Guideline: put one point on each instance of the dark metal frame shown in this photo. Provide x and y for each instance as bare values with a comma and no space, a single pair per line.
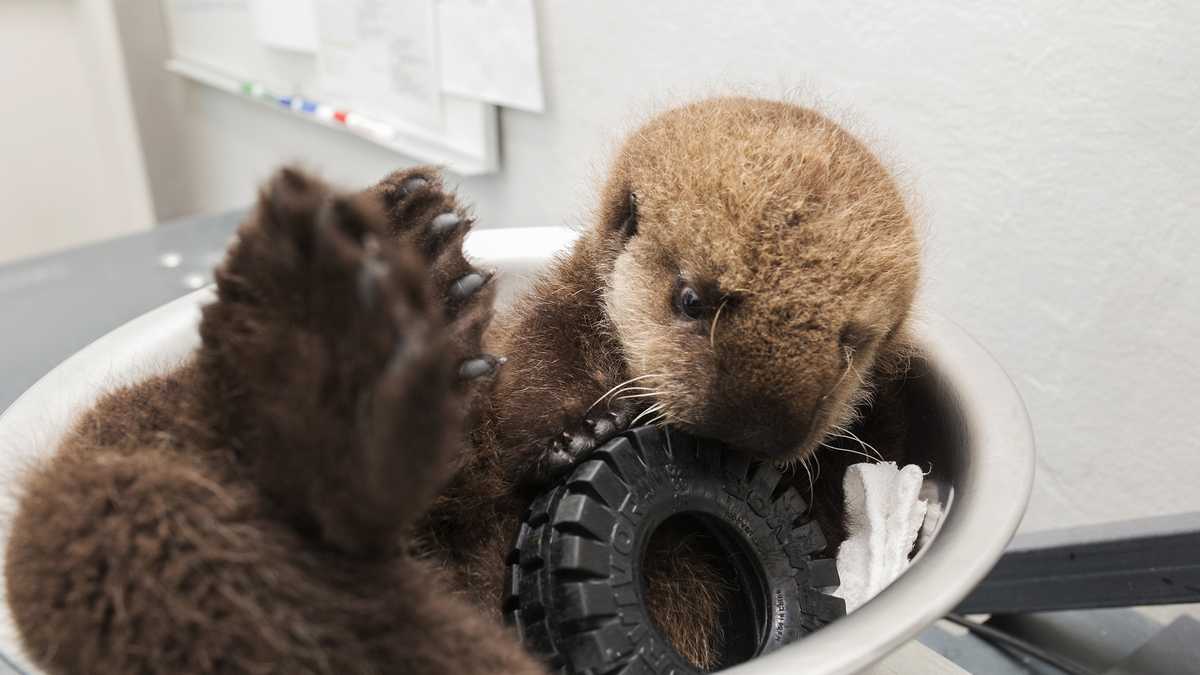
1152,561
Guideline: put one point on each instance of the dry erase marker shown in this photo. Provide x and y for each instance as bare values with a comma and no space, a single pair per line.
323,113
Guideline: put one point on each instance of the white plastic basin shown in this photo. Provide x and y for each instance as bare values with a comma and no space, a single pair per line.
971,430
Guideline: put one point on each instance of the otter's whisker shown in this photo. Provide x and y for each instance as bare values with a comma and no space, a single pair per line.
628,387
648,411
648,394
850,436
811,488
620,393
849,352
610,392
676,420
622,390
852,452
712,332
850,367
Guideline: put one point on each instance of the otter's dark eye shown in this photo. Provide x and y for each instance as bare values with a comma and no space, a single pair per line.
689,303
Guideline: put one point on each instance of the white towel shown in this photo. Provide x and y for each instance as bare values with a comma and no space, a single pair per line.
884,513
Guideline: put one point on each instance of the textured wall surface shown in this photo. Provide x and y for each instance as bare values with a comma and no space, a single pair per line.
1055,151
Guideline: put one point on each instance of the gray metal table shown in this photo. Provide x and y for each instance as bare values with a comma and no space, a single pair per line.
52,306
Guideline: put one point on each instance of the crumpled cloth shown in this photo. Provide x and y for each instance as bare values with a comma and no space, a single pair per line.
884,514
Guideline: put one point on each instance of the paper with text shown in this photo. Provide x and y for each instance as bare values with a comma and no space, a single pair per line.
490,52
286,24
381,58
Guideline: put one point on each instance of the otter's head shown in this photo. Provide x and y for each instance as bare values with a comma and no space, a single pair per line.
763,266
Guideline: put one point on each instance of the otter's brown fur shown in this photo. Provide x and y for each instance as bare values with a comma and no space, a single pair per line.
251,512
766,205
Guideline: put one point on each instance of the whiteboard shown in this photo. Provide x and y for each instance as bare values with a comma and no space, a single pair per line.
214,42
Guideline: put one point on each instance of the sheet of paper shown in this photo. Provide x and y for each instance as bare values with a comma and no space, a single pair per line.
490,52
286,24
380,58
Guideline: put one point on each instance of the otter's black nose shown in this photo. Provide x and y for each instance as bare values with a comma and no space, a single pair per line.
765,429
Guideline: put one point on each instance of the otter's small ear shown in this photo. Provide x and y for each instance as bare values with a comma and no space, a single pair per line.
627,222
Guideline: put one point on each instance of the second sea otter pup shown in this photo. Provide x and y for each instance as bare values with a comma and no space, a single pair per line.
747,277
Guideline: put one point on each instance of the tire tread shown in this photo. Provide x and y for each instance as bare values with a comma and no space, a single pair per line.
558,591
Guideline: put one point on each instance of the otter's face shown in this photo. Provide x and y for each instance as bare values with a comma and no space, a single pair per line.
754,297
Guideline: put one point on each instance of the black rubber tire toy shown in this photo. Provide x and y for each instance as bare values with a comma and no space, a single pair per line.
573,588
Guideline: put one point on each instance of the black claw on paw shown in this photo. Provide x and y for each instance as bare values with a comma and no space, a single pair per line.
445,224
555,461
555,458
481,366
580,440
467,285
578,443
604,426
412,185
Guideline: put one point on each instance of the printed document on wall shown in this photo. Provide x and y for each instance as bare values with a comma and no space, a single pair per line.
285,24
381,57
490,52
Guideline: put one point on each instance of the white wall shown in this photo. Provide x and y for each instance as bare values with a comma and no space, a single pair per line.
70,167
1054,149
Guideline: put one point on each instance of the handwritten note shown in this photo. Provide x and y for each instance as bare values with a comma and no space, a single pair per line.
381,57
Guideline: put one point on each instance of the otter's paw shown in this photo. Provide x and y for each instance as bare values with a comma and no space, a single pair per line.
422,215
343,375
325,264
556,455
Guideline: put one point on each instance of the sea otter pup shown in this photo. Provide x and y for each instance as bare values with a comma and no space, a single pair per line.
277,503
747,277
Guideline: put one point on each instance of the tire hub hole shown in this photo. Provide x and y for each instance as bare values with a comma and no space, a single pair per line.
704,591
